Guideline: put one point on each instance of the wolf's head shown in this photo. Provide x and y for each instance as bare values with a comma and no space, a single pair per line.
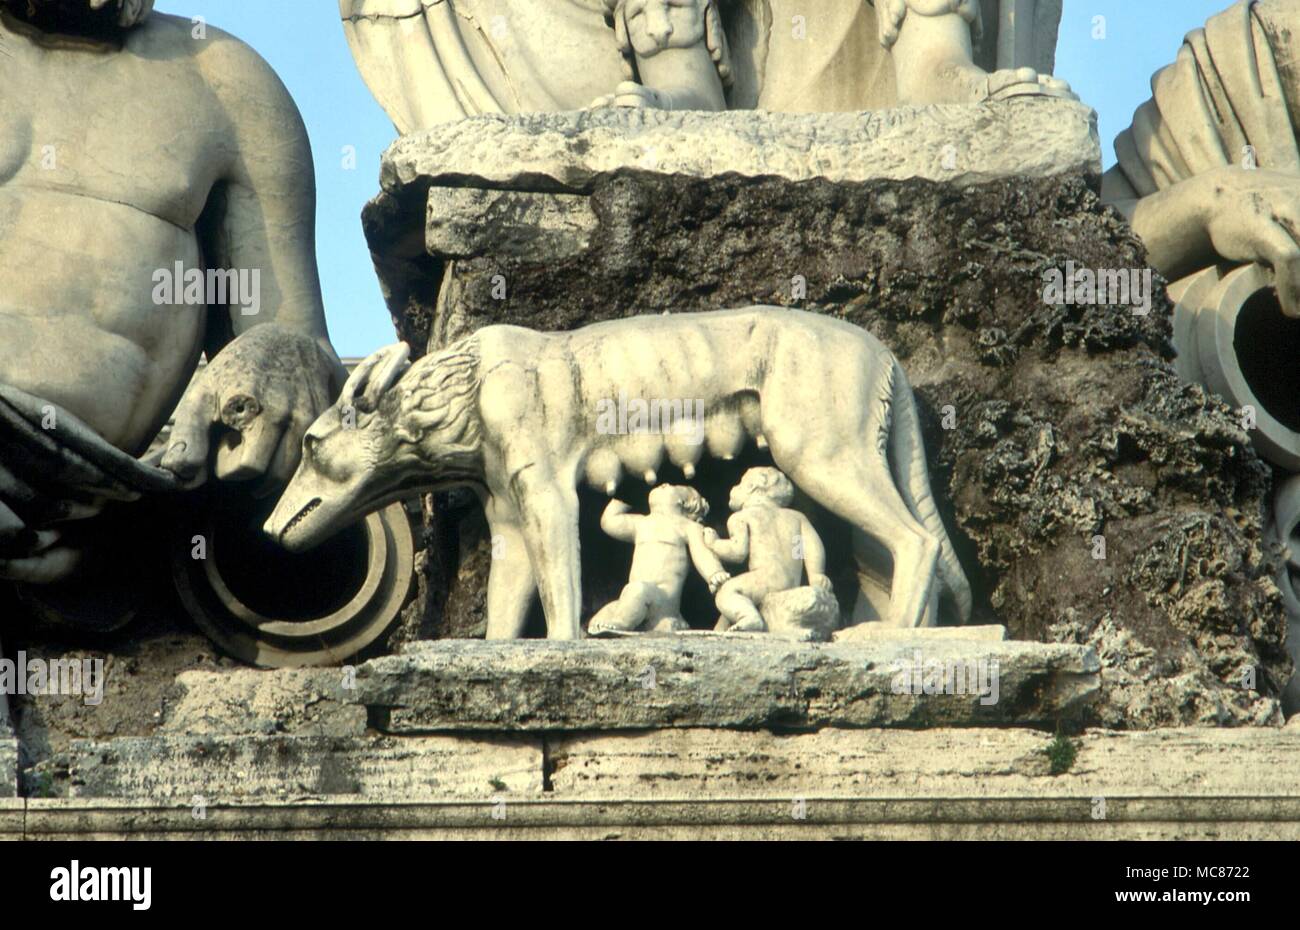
396,430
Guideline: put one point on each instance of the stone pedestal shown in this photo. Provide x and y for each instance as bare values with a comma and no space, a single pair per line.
1093,497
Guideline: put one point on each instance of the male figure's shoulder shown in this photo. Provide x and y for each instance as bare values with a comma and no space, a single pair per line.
230,67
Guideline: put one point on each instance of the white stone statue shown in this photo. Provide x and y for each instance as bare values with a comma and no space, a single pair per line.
1209,171
778,544
517,415
668,541
430,63
136,159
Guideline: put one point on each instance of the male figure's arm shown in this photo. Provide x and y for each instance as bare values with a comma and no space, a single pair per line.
260,223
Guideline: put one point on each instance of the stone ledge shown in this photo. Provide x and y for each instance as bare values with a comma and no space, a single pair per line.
570,152
1173,766
179,767
8,768
712,681
941,784
1136,818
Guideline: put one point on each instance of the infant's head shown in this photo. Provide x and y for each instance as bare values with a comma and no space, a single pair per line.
766,485
678,499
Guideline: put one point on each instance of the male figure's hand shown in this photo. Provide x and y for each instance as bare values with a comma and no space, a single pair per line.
259,396
1232,213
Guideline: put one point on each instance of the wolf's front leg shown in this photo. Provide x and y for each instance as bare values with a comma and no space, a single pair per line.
511,586
548,510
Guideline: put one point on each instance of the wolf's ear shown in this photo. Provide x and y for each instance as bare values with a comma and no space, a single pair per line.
374,376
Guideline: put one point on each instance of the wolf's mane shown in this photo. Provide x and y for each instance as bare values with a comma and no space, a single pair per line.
439,394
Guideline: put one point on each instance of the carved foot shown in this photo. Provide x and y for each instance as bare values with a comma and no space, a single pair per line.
634,96
965,82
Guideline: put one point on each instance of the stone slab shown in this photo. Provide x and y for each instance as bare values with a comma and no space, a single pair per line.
716,681
291,702
178,768
944,784
571,151
916,765
8,768
531,227
12,814
879,633
962,784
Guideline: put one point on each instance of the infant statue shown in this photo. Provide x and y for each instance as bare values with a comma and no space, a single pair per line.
652,599
779,544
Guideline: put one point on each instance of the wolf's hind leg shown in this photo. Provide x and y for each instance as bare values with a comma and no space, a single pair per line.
511,587
867,498
548,510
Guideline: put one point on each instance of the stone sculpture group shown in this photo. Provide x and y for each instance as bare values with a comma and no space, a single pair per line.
511,412
90,374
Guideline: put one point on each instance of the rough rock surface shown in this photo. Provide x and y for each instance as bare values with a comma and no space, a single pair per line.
294,702
708,680
1046,425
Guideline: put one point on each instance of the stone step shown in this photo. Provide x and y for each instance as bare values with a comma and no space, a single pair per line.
1024,137
182,768
723,681
882,784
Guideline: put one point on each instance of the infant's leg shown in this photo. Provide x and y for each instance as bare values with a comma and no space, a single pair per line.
664,614
625,614
737,601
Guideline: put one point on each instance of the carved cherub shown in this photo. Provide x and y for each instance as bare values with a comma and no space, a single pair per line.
676,54
652,598
780,543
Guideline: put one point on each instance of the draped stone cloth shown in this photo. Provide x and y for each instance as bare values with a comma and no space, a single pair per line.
1228,89
50,461
432,61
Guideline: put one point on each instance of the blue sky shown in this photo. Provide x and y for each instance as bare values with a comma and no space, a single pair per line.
303,41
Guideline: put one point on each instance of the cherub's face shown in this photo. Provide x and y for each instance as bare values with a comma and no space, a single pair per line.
654,25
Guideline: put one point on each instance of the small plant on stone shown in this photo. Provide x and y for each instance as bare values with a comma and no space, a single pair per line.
1061,753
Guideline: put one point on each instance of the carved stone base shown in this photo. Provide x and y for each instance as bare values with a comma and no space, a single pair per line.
723,680
714,784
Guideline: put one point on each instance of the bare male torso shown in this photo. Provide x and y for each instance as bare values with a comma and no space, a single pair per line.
109,161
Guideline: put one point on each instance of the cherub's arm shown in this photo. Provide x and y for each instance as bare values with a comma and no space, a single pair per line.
618,523
814,554
706,561
735,549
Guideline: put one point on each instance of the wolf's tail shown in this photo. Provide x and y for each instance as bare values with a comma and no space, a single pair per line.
908,465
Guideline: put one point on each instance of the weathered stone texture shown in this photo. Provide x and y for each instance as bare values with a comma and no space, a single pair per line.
745,681
179,768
